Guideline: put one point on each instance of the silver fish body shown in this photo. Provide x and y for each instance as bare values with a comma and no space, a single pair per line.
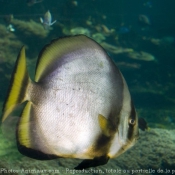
79,105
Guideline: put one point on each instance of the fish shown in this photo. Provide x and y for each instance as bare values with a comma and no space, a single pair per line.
143,124
78,105
143,19
47,21
144,22
32,2
10,28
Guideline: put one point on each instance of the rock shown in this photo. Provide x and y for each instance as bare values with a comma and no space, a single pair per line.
154,152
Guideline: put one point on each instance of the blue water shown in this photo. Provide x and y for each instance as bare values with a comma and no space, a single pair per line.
151,82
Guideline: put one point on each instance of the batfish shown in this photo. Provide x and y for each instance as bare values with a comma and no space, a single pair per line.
77,106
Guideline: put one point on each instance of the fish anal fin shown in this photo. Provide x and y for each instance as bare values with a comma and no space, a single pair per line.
25,140
23,132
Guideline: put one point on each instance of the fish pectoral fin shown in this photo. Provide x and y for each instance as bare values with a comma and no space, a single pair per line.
41,20
104,125
97,161
53,22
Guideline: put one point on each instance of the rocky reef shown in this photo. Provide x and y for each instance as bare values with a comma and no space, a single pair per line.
154,153
30,28
9,45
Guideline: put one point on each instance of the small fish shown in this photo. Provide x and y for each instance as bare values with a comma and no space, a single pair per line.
143,124
78,105
47,21
32,2
10,28
144,21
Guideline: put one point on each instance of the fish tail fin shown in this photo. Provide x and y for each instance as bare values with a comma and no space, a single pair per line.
20,81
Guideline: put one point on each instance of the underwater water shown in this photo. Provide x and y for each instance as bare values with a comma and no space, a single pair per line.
139,36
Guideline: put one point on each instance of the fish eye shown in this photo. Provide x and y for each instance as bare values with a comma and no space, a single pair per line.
132,121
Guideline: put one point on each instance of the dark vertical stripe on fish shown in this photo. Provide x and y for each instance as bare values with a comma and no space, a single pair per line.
131,126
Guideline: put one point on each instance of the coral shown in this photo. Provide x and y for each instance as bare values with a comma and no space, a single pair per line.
9,45
76,31
98,37
145,56
115,49
30,28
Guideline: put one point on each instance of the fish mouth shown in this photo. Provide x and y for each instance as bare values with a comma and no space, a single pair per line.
126,144
136,135
134,140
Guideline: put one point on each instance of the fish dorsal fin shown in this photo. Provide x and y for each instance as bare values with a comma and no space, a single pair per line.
23,133
19,85
104,125
58,49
